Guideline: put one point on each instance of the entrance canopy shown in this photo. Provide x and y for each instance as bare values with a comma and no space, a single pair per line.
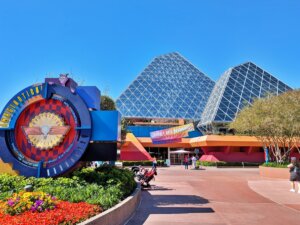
180,151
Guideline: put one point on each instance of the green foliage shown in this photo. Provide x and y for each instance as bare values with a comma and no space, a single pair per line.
124,123
108,175
206,163
275,164
107,103
142,163
229,164
275,121
105,185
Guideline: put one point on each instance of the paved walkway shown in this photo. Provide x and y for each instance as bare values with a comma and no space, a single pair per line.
216,197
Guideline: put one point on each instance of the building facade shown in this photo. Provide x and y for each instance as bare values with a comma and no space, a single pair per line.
171,92
169,87
237,87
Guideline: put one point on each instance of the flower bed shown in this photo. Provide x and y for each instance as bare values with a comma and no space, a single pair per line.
85,193
28,201
63,213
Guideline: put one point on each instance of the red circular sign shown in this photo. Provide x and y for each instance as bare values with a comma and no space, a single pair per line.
45,107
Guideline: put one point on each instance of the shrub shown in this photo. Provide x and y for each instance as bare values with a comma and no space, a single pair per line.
229,164
206,163
142,163
275,164
104,186
198,164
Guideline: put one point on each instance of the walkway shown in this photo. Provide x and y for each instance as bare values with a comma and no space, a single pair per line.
217,197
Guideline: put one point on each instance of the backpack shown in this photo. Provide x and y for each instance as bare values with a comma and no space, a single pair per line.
296,170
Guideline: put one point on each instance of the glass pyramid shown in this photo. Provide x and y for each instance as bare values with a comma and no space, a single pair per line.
170,87
236,87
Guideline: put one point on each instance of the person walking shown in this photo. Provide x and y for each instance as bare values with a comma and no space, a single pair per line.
194,160
186,162
294,167
154,162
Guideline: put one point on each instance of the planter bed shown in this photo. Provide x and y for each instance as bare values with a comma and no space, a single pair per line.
64,200
120,213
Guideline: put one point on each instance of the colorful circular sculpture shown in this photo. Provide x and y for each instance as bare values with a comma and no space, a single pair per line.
44,130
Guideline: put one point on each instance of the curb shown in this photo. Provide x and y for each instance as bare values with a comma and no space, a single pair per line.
118,214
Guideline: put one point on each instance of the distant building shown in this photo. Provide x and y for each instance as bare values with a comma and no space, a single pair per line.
170,87
237,87
172,92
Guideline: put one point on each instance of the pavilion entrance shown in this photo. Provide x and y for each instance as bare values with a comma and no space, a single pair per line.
177,156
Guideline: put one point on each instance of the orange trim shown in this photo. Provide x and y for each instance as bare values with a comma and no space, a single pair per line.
208,140
216,140
147,142
133,149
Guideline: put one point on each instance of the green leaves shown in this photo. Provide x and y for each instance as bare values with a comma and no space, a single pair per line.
275,120
105,186
273,164
107,103
142,163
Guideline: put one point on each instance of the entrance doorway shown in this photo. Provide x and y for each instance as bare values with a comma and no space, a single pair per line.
177,156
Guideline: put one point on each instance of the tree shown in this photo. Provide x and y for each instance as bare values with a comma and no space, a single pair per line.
275,121
124,123
107,103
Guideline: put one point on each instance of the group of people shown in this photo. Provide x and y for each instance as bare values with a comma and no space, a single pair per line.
187,160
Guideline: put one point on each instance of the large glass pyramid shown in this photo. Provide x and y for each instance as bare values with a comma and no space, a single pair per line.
170,87
236,87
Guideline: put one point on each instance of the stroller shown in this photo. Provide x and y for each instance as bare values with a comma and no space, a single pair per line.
144,175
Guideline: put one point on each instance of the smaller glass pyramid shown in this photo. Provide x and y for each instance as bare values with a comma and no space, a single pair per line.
237,87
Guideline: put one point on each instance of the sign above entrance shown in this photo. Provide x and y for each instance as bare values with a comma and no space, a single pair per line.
171,135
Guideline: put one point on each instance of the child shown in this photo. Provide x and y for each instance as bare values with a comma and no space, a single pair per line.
154,162
294,174
186,162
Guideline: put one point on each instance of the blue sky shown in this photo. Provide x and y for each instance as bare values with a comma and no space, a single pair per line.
108,43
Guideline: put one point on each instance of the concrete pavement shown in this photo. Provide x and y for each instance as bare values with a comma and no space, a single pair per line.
216,197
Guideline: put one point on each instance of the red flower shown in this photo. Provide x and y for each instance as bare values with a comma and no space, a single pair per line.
65,212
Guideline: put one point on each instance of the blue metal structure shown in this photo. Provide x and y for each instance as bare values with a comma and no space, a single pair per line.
91,96
92,134
107,121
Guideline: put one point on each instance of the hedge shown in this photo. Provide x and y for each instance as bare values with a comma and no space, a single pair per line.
229,164
142,163
275,164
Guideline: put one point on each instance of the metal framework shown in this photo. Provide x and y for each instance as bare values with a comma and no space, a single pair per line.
170,87
237,87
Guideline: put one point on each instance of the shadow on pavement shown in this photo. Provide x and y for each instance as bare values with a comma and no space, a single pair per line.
157,188
162,200
168,204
